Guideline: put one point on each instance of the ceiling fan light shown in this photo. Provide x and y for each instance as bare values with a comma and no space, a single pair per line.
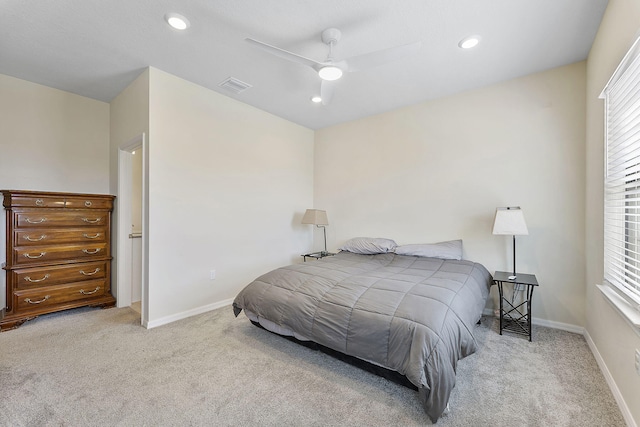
178,22
469,42
330,73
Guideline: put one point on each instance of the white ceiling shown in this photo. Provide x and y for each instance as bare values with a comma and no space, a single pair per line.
95,48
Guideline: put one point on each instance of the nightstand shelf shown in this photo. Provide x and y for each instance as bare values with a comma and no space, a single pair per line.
516,318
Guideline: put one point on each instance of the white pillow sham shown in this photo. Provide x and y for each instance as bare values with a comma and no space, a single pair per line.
368,245
451,249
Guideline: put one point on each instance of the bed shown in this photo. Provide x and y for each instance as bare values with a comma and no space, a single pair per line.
413,315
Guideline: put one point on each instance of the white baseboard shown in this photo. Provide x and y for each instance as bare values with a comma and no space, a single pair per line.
188,313
558,325
626,413
543,322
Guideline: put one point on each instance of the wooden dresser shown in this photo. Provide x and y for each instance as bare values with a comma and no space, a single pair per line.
58,253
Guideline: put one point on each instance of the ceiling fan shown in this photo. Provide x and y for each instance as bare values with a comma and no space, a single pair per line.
330,69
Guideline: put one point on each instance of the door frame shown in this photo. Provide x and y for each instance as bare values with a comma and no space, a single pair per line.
123,253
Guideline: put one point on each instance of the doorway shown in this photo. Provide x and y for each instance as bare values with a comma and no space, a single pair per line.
132,219
135,237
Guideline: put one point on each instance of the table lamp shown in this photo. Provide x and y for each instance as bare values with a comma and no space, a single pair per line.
510,220
318,218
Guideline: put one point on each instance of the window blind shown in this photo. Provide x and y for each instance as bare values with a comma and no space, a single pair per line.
622,177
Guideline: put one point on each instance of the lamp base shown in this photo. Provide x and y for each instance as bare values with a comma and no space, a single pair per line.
512,277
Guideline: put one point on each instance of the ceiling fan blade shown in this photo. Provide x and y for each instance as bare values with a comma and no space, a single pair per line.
373,59
284,54
326,91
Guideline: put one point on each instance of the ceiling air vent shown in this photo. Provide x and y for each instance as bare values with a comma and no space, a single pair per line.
234,85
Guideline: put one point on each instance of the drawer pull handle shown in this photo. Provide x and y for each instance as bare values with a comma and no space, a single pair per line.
31,239
85,235
89,274
29,279
91,221
40,221
88,203
28,300
83,292
39,202
35,256
91,252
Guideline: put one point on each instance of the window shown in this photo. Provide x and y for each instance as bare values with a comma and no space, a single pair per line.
622,177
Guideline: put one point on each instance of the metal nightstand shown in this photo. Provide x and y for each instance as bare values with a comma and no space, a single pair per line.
316,255
512,318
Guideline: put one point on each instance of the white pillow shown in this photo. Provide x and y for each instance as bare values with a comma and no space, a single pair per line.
368,245
445,250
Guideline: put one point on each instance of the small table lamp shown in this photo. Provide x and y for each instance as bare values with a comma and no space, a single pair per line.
510,221
319,219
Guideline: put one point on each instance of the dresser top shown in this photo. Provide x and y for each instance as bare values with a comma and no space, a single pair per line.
49,199
34,193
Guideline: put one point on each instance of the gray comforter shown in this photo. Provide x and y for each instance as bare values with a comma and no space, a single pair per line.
409,314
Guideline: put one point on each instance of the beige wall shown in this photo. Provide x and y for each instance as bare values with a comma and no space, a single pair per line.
228,185
613,337
438,170
50,141
129,119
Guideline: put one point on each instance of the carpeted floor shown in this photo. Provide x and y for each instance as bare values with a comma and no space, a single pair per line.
91,367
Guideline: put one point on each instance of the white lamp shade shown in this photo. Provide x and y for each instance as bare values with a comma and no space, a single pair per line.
510,221
315,217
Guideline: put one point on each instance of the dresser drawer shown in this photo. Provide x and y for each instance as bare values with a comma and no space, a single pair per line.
46,218
45,298
88,203
58,253
41,236
70,253
37,277
35,201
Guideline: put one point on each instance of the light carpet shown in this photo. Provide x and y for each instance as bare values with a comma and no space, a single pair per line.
91,367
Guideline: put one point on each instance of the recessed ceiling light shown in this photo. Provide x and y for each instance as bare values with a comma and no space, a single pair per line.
330,73
178,22
469,42
316,99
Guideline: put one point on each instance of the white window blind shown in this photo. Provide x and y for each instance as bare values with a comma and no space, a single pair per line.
622,177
